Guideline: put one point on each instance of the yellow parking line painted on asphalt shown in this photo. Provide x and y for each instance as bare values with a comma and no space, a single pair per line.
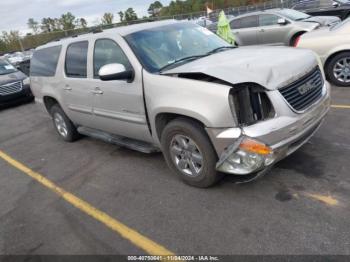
329,200
134,237
340,106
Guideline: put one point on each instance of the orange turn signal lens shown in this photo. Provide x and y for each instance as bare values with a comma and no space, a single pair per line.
254,146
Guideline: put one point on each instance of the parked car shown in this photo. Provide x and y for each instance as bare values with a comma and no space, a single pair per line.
14,85
202,21
15,58
214,25
333,46
178,88
275,26
339,8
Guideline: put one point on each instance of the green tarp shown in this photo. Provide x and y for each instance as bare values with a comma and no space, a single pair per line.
224,29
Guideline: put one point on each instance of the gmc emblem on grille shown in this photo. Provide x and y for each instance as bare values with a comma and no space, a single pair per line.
306,88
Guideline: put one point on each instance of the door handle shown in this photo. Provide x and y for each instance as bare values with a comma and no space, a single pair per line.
67,87
97,91
236,33
262,30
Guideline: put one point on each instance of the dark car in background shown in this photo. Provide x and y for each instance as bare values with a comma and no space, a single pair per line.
339,8
14,85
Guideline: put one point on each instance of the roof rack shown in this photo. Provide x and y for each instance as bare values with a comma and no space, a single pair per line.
96,30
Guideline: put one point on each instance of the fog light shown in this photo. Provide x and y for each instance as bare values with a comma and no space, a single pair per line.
249,156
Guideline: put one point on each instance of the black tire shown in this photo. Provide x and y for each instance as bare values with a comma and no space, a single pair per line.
208,175
330,66
72,133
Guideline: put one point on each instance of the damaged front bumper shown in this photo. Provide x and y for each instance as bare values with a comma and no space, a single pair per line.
268,141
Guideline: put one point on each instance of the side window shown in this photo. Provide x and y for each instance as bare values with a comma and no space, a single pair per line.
249,21
235,24
44,61
76,59
108,52
266,20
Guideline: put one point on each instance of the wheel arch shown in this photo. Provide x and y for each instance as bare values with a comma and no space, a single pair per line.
49,102
330,57
164,118
295,35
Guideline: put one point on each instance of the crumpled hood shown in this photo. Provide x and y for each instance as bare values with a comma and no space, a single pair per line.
323,20
13,77
270,67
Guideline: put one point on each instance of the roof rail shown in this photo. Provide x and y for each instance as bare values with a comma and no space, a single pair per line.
96,30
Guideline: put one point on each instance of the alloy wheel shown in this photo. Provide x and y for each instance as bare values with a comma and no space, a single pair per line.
186,155
341,70
60,125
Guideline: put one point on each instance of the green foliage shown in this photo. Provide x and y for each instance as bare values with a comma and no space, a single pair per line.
155,8
121,16
67,21
83,23
9,41
34,25
130,15
127,16
107,19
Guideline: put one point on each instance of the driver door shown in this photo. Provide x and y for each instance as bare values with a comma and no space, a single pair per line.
118,104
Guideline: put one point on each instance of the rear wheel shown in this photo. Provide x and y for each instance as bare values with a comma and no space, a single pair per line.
338,69
64,127
189,153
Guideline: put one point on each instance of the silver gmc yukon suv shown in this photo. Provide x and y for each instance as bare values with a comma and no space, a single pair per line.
176,87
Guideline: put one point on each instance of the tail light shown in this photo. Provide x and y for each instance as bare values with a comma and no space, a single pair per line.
296,42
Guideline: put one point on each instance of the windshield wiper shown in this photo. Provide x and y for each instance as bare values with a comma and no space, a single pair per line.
219,49
193,57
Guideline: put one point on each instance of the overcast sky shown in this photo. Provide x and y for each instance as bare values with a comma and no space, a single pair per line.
14,14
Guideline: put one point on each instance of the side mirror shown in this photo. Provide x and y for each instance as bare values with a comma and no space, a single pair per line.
335,4
282,21
115,72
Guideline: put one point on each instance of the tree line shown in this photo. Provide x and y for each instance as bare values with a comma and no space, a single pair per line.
49,29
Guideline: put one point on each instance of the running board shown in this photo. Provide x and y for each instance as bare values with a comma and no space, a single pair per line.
136,145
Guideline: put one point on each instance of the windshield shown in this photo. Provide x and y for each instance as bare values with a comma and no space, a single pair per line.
6,68
293,14
342,1
159,47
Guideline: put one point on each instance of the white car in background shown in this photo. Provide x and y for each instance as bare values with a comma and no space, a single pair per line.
332,44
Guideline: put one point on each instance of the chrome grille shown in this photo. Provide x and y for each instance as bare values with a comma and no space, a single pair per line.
11,88
304,92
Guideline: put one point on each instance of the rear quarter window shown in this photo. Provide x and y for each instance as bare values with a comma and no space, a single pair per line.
44,61
235,24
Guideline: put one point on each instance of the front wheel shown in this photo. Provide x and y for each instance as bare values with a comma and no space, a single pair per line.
189,153
338,69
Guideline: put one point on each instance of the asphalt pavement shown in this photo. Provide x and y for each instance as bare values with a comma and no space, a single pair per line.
300,207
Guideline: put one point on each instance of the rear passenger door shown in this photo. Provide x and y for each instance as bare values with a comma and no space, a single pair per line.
245,30
76,94
270,32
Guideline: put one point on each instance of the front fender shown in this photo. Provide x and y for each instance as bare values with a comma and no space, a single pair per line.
336,49
206,102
